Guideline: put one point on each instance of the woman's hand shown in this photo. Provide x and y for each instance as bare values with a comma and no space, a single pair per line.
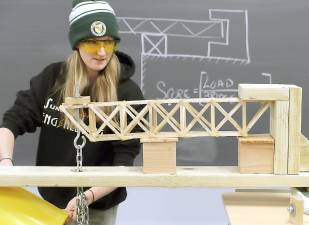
71,207
71,210
91,196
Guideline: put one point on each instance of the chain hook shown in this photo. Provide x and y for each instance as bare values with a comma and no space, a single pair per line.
82,145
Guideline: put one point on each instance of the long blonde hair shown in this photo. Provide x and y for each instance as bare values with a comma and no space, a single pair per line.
104,89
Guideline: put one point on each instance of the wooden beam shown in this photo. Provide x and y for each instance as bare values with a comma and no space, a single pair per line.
280,133
263,92
294,129
134,177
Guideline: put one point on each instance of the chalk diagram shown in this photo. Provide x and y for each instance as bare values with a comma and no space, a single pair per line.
212,41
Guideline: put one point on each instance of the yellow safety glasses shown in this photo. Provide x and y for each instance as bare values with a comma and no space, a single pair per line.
93,46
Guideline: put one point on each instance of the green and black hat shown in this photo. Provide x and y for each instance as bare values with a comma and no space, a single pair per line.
90,19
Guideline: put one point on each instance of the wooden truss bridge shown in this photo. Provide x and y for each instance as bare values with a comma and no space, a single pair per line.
184,118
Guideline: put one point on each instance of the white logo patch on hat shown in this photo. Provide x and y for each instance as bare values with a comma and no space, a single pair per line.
98,28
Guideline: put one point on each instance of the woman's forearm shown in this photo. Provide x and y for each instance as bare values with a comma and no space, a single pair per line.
96,193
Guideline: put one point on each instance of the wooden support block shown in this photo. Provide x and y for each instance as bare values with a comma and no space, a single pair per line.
263,92
297,209
294,129
77,100
256,154
279,123
159,155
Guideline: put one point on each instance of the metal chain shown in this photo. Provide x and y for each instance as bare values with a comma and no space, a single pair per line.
82,209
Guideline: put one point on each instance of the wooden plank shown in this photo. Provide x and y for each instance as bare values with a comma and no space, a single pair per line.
83,100
153,118
163,140
244,118
257,138
134,177
213,118
183,118
167,101
280,133
263,92
123,118
294,129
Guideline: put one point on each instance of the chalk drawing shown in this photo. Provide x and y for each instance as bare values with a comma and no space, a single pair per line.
157,33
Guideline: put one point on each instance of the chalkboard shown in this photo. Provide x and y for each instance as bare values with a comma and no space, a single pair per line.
182,49
202,49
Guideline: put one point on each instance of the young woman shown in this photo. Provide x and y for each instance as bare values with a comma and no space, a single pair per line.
102,73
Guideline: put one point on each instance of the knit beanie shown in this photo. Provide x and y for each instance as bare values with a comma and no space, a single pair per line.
90,19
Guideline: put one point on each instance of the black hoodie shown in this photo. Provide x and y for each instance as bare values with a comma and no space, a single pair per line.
35,107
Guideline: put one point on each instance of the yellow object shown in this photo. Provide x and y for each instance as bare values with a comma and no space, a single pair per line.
21,207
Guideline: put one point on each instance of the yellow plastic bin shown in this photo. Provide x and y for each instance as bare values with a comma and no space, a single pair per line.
20,207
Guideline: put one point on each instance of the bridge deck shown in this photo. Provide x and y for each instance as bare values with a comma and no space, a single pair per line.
206,176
